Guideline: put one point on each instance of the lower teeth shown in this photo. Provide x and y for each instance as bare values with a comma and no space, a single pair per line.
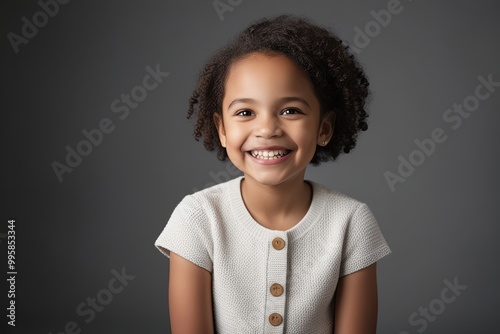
269,157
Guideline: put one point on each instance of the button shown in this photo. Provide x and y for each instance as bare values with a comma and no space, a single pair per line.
275,319
278,243
276,290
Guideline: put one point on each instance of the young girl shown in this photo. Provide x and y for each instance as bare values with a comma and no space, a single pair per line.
270,252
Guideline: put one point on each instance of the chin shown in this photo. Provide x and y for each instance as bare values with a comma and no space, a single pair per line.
269,178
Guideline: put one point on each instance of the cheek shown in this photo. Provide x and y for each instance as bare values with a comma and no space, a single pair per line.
235,137
307,135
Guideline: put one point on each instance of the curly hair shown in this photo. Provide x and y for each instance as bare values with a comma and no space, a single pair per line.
338,80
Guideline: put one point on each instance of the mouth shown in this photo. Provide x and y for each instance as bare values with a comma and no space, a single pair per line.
269,154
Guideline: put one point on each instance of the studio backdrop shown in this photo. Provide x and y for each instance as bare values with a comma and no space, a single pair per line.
97,152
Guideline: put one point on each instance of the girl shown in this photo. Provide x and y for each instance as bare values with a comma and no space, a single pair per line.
270,252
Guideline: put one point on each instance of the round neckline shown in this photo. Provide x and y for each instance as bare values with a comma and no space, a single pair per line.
244,218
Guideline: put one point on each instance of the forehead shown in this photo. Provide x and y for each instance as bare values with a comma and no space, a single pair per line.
265,75
262,58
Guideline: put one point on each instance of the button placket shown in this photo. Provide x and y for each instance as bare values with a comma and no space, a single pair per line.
276,280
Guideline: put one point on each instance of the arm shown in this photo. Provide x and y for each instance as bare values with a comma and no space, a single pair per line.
190,297
356,302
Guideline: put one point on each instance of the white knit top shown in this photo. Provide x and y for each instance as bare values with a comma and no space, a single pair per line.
269,281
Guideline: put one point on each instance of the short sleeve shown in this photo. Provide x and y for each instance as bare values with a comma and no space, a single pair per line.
364,243
188,234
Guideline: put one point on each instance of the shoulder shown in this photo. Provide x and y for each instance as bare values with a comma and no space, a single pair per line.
217,191
195,223
213,196
334,201
353,227
211,202
344,217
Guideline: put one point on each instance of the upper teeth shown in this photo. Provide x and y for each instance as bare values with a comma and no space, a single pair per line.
268,154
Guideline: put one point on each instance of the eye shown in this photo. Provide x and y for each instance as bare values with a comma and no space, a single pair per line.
244,113
291,111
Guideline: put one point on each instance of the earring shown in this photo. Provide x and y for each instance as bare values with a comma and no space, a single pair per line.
324,142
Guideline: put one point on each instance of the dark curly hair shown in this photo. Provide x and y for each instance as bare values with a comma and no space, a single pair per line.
338,79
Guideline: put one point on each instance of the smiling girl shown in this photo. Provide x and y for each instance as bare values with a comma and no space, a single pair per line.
270,252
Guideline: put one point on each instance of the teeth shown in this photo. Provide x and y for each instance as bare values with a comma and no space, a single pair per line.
268,154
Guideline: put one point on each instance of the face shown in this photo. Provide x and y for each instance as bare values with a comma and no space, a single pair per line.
270,124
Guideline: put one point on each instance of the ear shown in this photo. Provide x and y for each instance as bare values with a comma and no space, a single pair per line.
326,129
220,128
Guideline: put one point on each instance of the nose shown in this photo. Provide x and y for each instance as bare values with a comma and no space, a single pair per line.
268,126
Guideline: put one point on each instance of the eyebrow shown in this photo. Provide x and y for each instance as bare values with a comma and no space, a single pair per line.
283,99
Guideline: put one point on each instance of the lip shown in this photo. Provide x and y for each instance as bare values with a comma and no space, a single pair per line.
269,148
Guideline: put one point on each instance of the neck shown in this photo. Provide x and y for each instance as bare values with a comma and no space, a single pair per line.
278,207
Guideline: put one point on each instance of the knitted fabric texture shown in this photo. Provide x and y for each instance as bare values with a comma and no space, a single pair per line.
213,229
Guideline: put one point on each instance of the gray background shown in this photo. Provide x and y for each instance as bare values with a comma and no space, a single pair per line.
106,214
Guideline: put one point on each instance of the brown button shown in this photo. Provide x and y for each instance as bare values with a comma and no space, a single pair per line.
275,319
276,290
278,243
